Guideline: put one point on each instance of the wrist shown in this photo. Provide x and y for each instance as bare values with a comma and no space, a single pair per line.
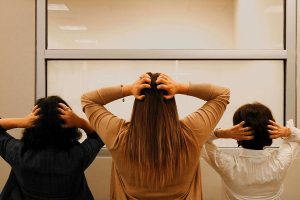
182,88
288,132
85,125
126,90
217,132
21,123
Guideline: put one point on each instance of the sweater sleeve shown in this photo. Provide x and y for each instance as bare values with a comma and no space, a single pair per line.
91,146
9,147
203,120
106,124
290,148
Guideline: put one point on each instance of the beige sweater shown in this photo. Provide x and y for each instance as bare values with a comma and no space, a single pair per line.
198,126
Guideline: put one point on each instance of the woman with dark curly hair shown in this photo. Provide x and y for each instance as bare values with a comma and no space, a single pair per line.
48,162
255,172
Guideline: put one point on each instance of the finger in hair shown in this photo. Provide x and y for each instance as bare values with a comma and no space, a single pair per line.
140,97
60,110
248,137
161,81
273,132
248,128
147,80
241,123
271,127
168,97
35,108
143,86
36,111
273,123
162,87
62,105
248,133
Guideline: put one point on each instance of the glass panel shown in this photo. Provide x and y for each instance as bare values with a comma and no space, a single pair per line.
249,81
165,24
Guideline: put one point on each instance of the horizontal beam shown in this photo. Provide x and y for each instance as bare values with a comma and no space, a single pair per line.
165,54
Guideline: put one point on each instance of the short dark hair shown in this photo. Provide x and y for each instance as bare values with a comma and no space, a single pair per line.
48,130
256,116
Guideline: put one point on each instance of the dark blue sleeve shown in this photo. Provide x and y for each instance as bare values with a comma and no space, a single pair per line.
9,147
91,146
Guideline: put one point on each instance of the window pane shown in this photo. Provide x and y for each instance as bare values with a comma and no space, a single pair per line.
249,81
165,24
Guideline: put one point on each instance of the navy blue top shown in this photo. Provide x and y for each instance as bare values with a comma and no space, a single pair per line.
49,173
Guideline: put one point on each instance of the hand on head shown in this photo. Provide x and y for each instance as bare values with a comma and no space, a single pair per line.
70,118
29,120
277,131
143,82
164,82
237,132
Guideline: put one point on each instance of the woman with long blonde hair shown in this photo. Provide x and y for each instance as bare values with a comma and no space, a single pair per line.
155,155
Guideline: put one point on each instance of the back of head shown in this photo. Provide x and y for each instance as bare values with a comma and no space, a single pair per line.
48,130
256,116
154,141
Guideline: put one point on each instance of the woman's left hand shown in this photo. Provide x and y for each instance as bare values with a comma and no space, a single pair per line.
277,131
70,118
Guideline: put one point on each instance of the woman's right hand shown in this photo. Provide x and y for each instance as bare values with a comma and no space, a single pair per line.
135,89
237,132
29,120
25,122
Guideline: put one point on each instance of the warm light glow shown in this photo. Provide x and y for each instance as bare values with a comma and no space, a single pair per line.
58,7
73,28
274,9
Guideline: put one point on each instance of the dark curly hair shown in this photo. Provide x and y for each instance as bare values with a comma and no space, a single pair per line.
256,116
48,131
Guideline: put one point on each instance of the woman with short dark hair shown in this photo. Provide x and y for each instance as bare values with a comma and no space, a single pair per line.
48,162
254,172
156,155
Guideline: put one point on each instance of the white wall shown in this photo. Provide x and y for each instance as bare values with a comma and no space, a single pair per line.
17,54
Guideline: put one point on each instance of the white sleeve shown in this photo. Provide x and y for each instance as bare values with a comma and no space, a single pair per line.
292,143
295,136
222,162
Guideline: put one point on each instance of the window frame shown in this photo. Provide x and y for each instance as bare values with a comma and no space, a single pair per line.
288,54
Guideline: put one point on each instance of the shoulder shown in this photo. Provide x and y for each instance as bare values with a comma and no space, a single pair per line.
287,152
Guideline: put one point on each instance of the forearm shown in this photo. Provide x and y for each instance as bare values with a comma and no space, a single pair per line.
10,123
183,88
85,125
126,90
208,92
101,96
220,133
